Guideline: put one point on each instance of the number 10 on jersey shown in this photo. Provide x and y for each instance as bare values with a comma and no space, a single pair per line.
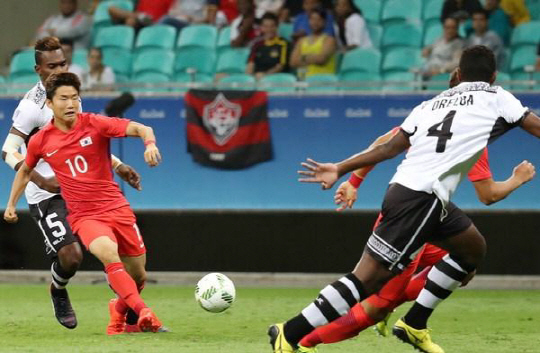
79,165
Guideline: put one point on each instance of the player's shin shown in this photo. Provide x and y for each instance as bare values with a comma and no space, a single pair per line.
123,285
442,280
60,277
334,300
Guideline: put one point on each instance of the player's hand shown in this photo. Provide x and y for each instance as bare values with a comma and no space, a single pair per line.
525,171
50,184
325,174
10,215
151,155
468,278
345,196
129,175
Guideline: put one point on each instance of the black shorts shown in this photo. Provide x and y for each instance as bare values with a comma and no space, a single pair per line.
50,216
409,220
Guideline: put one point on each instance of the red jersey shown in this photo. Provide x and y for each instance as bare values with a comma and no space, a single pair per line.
81,160
154,8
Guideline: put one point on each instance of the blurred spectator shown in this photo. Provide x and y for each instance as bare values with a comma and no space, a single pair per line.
460,9
146,13
294,7
67,48
221,12
499,21
350,26
270,54
443,55
185,12
517,10
97,74
70,23
264,6
483,36
315,54
243,28
301,25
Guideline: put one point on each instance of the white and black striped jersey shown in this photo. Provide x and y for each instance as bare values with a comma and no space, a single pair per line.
449,132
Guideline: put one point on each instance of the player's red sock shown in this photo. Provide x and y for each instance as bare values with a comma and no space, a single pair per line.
413,289
122,307
341,329
122,283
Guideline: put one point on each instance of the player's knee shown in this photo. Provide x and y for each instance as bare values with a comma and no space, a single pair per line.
70,257
139,276
376,314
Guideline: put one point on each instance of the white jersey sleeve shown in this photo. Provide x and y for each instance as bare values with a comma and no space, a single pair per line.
410,124
509,107
25,117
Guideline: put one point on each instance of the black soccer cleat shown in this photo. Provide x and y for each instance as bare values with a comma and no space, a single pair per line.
62,308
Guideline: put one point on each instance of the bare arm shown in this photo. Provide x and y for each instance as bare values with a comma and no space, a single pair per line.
250,68
329,49
490,191
296,55
19,184
151,155
531,124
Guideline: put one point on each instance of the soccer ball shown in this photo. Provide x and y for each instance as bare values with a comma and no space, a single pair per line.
215,292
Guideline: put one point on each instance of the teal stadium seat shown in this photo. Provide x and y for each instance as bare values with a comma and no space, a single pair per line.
356,81
325,83
525,34
402,35
522,57
432,32
101,16
202,60
375,34
154,60
195,80
438,82
432,12
281,82
157,36
534,9
285,30
392,81
197,36
22,83
22,63
3,85
401,59
371,9
80,57
361,60
233,61
502,80
237,82
152,79
224,39
115,37
401,11
119,60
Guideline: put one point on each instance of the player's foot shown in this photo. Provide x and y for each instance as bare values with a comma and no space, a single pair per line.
62,307
302,349
419,339
148,321
117,322
278,341
381,327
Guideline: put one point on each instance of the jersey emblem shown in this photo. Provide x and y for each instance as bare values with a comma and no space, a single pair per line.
51,153
86,141
221,118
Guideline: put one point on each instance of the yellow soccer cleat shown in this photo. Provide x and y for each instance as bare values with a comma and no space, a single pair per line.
381,327
278,341
302,349
419,339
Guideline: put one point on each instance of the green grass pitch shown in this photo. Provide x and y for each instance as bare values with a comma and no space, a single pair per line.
470,321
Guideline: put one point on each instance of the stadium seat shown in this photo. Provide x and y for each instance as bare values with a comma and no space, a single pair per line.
402,35
361,60
522,76
356,81
203,60
375,34
80,57
101,16
525,34
408,79
318,83
432,12
198,36
281,82
23,83
502,79
371,9
401,11
115,37
437,82
151,78
522,57
534,9
3,87
22,63
157,36
119,60
224,39
194,81
285,30
237,81
154,60
232,61
401,59
432,32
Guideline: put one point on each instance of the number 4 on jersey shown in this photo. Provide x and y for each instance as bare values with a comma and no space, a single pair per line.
444,134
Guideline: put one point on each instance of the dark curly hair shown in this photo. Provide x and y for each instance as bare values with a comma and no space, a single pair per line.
45,44
477,63
63,79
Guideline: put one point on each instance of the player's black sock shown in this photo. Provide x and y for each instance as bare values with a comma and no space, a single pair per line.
131,317
442,280
60,277
334,301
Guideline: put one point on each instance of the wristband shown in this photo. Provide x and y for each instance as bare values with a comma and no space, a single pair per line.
149,142
355,180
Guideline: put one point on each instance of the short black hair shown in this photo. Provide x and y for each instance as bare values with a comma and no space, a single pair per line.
45,44
477,63
320,11
65,41
481,12
270,16
63,79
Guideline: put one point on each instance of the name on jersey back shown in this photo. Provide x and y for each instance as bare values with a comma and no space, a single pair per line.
441,103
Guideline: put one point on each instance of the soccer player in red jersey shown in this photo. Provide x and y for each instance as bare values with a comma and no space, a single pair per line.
76,145
406,286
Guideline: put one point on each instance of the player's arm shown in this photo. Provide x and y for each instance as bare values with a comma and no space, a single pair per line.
490,191
327,174
531,124
126,172
151,155
19,184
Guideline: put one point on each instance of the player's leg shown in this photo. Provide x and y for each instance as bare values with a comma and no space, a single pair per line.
135,266
65,251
